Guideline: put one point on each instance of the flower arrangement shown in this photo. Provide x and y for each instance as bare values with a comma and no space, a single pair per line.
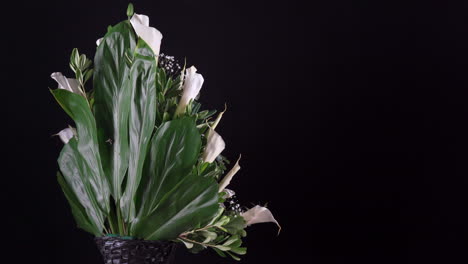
143,161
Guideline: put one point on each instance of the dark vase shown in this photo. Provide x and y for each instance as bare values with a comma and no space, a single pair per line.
116,250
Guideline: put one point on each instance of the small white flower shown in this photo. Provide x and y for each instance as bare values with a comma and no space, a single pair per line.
259,214
214,146
150,35
229,193
192,86
227,179
66,134
65,83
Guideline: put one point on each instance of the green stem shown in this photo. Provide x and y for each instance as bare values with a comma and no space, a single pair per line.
111,219
196,242
120,221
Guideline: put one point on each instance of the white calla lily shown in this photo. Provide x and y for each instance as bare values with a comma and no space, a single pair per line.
192,86
66,134
227,179
65,83
259,214
150,35
214,146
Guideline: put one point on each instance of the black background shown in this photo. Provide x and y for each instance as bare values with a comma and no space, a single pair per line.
350,117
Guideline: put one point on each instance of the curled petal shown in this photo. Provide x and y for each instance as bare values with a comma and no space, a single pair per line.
259,214
192,86
150,35
218,118
65,83
214,146
227,179
66,134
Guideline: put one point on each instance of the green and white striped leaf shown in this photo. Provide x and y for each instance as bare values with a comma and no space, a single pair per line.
173,152
141,123
83,154
192,203
112,96
78,211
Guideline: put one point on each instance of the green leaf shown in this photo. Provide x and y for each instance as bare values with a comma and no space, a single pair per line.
86,151
223,248
235,225
75,172
141,123
217,216
209,236
231,241
233,256
220,253
222,221
74,59
88,75
239,250
188,245
174,150
192,203
197,248
112,97
78,211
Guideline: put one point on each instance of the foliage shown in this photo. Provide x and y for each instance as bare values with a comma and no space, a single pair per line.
134,167
223,234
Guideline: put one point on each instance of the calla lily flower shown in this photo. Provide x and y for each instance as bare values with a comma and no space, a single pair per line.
259,214
150,35
192,86
215,145
227,179
66,134
65,83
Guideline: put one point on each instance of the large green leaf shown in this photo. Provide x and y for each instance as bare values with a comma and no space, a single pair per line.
141,123
191,204
174,150
78,211
86,151
170,198
112,97
75,171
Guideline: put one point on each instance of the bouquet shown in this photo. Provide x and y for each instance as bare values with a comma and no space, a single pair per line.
142,159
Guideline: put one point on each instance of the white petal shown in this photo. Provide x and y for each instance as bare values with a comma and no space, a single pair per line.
192,86
65,83
61,80
227,179
73,83
65,135
98,42
259,214
149,34
142,19
214,146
